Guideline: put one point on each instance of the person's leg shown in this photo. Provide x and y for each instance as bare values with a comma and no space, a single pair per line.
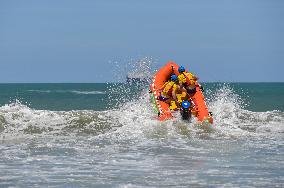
191,91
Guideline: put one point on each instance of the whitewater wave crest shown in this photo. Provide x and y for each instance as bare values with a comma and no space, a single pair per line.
135,119
70,91
231,116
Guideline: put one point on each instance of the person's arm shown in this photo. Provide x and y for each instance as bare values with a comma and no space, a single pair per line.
163,87
194,77
175,96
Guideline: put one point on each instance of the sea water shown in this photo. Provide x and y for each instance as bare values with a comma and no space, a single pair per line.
106,135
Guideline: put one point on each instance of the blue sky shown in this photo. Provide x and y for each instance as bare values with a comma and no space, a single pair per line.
79,41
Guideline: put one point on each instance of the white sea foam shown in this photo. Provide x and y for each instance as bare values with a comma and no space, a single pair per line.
231,117
93,147
88,92
136,120
95,92
39,91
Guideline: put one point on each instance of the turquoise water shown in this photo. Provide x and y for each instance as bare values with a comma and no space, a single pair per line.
258,96
106,135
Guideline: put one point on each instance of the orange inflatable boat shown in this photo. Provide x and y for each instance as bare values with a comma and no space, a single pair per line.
199,109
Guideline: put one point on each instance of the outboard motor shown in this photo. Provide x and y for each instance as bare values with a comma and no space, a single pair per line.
185,110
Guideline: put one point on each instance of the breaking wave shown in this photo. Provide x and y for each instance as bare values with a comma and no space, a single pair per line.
231,116
134,119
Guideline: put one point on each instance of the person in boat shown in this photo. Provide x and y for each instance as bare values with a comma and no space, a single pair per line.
187,80
169,90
